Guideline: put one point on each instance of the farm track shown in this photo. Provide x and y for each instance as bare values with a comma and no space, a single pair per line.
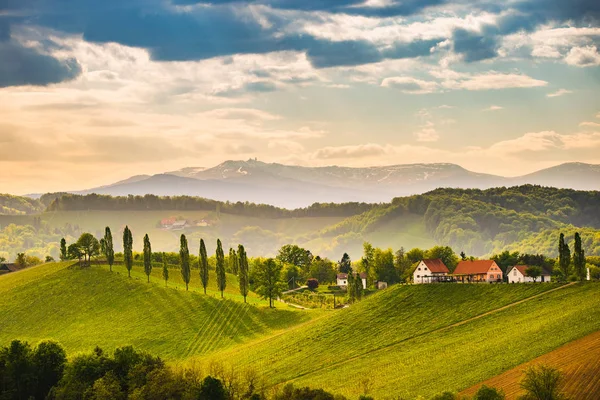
579,361
372,353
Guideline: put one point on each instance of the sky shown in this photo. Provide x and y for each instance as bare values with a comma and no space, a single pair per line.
92,92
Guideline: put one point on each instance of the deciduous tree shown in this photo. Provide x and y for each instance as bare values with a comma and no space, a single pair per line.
89,246
533,272
542,383
268,282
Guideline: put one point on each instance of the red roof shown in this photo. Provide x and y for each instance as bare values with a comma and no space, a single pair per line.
474,267
436,265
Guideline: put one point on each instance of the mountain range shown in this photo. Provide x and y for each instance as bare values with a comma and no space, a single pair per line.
294,186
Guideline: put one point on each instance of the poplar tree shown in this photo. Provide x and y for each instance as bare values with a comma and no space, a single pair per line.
350,286
203,265
243,271
234,264
63,250
109,250
128,250
358,287
579,258
147,257
165,270
220,269
184,260
564,257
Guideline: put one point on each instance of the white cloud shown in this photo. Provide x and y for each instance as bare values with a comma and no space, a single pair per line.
587,56
559,92
493,81
410,85
590,124
493,108
427,134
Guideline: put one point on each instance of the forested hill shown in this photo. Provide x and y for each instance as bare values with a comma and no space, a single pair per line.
481,222
16,205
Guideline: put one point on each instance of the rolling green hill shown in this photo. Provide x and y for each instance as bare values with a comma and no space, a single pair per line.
86,307
422,340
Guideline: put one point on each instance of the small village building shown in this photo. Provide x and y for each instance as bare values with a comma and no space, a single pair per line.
342,280
430,271
478,271
518,273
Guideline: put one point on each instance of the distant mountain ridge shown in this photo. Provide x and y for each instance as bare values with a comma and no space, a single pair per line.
295,186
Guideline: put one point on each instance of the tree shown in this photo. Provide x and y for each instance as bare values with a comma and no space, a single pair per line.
268,282
165,270
147,257
415,255
564,257
489,393
128,250
63,250
463,257
401,263
579,258
506,259
184,260
444,253
220,268
243,274
350,289
73,252
203,265
345,264
212,389
533,272
323,270
109,250
358,288
312,283
383,265
233,261
48,360
89,246
21,260
542,383
368,259
293,254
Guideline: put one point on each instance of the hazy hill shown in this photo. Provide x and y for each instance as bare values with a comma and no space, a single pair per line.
294,186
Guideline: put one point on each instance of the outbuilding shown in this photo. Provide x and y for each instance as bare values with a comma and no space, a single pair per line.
518,273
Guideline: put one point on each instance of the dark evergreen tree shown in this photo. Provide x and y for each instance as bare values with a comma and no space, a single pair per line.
184,260
243,271
233,262
579,258
203,264
128,250
220,268
109,250
564,257
345,264
147,257
63,250
165,270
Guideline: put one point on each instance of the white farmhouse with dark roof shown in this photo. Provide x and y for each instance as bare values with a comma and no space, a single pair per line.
518,273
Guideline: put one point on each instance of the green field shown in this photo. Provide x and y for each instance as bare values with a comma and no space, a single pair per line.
411,339
82,308
404,341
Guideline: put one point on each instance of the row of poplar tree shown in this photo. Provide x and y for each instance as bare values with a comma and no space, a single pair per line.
88,246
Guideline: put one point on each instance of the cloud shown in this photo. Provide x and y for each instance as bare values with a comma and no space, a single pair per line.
475,46
590,124
493,81
493,108
587,56
410,85
427,134
559,92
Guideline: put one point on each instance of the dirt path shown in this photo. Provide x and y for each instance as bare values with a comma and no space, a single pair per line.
579,361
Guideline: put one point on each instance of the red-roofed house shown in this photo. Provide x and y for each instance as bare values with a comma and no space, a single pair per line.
429,271
478,271
518,274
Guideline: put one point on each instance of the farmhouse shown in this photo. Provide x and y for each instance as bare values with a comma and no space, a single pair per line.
342,280
430,271
478,271
518,274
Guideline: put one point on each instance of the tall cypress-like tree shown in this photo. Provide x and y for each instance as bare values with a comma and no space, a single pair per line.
579,258
234,264
564,256
109,250
345,264
350,287
184,260
220,268
165,270
243,271
147,257
358,287
128,250
203,264
63,250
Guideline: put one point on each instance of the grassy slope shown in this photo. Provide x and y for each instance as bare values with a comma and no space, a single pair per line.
82,308
404,338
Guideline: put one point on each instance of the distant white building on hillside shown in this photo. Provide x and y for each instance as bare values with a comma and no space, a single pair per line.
430,271
518,274
342,280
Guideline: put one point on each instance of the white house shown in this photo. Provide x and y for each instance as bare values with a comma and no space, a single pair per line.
342,280
517,274
429,271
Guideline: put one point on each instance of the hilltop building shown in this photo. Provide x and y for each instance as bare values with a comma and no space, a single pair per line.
478,271
518,274
342,280
430,271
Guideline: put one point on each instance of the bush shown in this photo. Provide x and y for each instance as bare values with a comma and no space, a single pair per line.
312,283
489,393
334,287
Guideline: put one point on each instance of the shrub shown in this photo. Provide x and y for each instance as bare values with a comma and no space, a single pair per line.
489,393
312,283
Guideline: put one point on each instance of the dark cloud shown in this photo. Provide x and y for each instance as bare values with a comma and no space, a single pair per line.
251,87
21,65
323,54
475,46
418,48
